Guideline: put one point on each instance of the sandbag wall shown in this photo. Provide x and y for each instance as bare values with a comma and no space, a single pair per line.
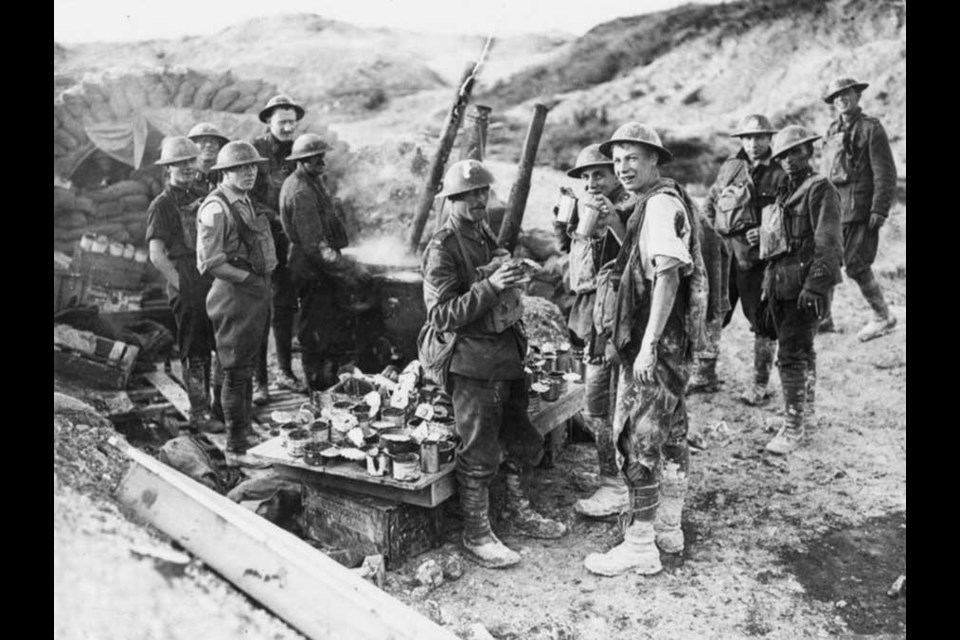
119,210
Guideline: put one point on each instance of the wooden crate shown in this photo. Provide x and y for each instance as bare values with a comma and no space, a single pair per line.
109,271
100,361
395,530
69,290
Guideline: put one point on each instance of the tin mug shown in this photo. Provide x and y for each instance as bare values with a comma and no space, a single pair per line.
430,456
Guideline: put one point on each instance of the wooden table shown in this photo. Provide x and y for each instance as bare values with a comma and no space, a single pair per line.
431,489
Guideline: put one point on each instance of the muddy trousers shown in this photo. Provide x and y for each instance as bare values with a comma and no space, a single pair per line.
797,358
601,386
197,381
493,425
237,401
650,424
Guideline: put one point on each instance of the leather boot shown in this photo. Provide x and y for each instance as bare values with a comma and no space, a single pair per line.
704,378
216,388
810,390
638,552
764,352
612,497
522,520
479,542
195,380
673,491
261,393
882,322
792,432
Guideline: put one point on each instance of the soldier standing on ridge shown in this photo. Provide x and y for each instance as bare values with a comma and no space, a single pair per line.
801,241
465,275
747,182
859,162
281,115
587,254
321,274
665,282
172,241
235,245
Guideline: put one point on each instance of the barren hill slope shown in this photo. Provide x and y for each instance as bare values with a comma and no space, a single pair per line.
695,70
332,64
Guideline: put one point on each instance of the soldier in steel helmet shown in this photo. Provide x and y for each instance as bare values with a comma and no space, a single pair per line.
588,252
467,280
282,116
172,242
858,160
747,181
653,330
209,141
800,240
235,245
321,273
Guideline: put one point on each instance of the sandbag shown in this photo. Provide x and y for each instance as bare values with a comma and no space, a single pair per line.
72,220
108,210
119,104
159,96
136,202
188,89
273,498
195,456
63,199
224,99
133,92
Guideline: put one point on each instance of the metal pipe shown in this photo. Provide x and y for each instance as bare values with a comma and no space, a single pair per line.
435,175
474,144
510,228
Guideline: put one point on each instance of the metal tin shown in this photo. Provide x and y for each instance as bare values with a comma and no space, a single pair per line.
394,415
565,208
447,451
406,467
429,456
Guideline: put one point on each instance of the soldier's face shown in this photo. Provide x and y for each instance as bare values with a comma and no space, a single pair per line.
314,165
635,166
472,205
797,159
283,124
241,178
847,101
209,148
756,146
598,180
182,174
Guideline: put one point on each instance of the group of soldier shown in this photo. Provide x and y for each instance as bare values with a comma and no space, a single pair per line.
245,234
654,282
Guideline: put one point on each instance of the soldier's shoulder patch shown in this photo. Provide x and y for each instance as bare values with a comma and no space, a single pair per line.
679,223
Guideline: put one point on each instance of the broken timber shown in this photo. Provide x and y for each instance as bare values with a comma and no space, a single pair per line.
299,584
171,390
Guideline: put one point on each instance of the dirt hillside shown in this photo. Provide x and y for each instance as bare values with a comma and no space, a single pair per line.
695,70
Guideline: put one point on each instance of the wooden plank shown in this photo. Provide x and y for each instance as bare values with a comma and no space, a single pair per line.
429,490
170,390
553,414
314,594
430,496
98,374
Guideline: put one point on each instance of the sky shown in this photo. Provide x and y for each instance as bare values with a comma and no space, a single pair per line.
125,20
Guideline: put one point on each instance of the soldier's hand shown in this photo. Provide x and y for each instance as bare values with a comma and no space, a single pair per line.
876,221
603,203
810,301
507,275
645,364
753,236
611,355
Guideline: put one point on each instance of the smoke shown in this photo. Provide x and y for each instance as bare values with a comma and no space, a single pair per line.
384,250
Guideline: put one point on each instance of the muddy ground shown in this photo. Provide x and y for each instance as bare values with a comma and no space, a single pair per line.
802,547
